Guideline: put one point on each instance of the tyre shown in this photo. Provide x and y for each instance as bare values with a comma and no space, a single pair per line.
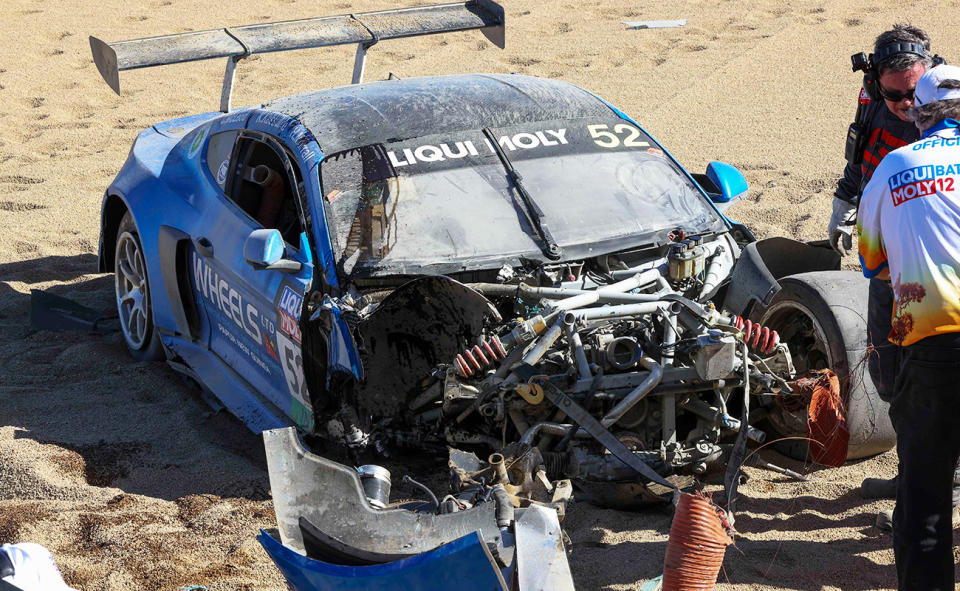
822,317
133,294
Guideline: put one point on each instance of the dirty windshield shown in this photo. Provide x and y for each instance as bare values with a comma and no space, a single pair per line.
445,203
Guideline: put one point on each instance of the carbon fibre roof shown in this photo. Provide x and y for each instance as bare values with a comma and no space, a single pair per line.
375,112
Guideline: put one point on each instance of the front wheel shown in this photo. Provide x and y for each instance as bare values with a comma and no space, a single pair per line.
133,294
822,317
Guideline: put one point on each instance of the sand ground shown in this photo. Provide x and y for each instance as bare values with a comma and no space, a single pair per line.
122,470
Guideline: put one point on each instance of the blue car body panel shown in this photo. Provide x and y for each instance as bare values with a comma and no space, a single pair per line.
464,564
236,327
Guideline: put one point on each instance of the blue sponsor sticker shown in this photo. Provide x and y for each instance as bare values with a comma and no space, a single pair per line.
222,172
290,303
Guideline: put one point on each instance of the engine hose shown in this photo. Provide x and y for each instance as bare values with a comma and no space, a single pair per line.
758,337
699,536
548,428
425,489
504,512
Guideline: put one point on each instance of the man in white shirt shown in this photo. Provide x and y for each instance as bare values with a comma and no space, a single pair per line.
909,224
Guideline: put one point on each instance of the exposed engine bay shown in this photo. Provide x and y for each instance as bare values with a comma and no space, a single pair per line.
616,372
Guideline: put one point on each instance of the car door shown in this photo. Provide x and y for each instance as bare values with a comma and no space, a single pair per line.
255,313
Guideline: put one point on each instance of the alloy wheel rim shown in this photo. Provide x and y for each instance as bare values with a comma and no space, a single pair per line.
133,301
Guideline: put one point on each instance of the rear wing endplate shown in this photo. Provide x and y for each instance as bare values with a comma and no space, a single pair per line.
364,29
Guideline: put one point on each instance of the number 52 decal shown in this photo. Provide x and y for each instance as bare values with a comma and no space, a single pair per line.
611,139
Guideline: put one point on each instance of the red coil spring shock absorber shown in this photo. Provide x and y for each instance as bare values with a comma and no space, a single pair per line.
758,337
474,359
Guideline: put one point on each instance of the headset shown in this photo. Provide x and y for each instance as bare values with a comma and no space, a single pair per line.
869,64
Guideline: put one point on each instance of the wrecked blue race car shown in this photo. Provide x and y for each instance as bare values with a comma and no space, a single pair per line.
500,263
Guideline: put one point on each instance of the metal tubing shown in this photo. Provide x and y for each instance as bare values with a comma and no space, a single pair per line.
228,77
631,399
607,312
655,264
497,461
549,429
359,63
497,289
632,380
668,404
576,347
591,297
718,269
550,337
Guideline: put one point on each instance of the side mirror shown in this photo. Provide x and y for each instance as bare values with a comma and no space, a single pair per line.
264,249
723,183
728,184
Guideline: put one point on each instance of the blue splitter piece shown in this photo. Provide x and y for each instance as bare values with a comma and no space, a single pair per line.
463,564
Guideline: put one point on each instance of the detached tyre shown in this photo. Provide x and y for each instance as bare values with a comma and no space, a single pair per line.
133,294
822,317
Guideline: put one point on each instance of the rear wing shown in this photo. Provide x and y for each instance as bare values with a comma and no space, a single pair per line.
364,29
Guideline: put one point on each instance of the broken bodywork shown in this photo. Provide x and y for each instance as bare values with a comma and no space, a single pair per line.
331,536
619,377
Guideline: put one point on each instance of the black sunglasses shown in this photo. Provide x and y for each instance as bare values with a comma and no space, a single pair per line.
895,97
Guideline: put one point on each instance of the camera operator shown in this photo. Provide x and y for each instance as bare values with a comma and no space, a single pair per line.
901,55
909,224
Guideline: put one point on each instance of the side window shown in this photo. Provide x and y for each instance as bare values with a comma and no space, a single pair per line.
264,190
218,155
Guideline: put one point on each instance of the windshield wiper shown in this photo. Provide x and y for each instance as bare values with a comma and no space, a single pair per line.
533,211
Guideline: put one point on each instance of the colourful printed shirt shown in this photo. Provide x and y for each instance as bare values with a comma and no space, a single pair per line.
909,220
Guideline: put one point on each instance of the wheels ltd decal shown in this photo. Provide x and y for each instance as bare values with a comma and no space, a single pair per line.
269,337
237,312
226,299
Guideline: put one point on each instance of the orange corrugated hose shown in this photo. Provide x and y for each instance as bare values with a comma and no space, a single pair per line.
827,428
698,539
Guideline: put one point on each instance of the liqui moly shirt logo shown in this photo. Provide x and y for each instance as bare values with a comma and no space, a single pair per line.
918,181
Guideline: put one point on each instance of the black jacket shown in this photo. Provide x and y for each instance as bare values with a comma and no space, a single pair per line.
885,132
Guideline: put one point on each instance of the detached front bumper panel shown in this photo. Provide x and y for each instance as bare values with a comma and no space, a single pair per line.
330,496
